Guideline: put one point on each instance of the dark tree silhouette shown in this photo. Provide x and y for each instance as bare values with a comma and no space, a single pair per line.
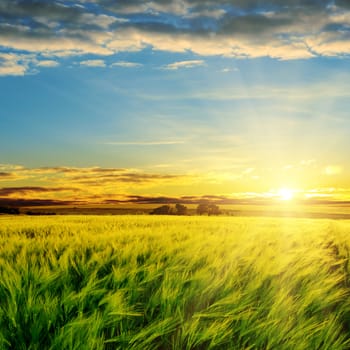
180,209
210,209
213,209
163,210
202,208
9,210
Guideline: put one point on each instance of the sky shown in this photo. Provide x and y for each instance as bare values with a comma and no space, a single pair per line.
105,101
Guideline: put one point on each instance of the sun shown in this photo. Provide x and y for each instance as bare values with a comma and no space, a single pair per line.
285,194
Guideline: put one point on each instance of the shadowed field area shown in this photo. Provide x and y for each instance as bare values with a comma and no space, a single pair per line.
279,209
145,282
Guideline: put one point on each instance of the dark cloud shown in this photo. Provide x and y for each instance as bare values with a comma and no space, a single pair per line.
9,176
198,8
5,175
123,177
32,202
31,8
107,170
92,176
255,23
222,200
219,200
135,177
182,6
7,191
247,28
68,170
30,20
342,3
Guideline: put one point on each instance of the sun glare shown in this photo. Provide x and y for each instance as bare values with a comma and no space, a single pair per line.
285,194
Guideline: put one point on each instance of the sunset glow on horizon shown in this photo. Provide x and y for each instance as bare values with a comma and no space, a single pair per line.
285,194
106,102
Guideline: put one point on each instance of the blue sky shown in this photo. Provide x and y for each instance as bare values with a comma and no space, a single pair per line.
233,98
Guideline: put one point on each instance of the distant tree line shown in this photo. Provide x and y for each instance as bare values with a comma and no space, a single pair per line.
29,212
9,210
180,209
208,208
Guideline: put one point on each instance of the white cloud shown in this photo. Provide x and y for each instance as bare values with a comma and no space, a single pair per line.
227,70
126,64
93,63
12,64
61,46
47,63
12,69
184,64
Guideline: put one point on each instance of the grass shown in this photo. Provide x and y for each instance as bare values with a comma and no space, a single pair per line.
140,282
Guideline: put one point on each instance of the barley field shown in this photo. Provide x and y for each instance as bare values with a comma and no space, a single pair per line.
147,282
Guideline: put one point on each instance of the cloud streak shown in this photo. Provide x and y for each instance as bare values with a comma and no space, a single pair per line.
126,64
48,63
93,63
145,143
184,64
76,179
30,190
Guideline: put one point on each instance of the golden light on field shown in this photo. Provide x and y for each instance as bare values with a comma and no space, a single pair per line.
285,194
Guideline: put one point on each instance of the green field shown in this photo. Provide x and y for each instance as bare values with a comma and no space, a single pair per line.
147,282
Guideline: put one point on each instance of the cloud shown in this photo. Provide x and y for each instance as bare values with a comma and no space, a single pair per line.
132,178
102,21
227,70
93,63
233,28
5,176
145,143
112,185
53,14
47,63
126,64
29,190
11,167
177,7
12,64
311,91
331,170
101,178
184,64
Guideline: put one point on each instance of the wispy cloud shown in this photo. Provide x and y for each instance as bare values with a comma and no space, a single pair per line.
126,64
48,63
68,181
30,190
184,64
146,143
93,63
340,88
331,170
228,70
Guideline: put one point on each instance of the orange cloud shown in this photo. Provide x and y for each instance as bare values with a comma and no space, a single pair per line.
100,184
